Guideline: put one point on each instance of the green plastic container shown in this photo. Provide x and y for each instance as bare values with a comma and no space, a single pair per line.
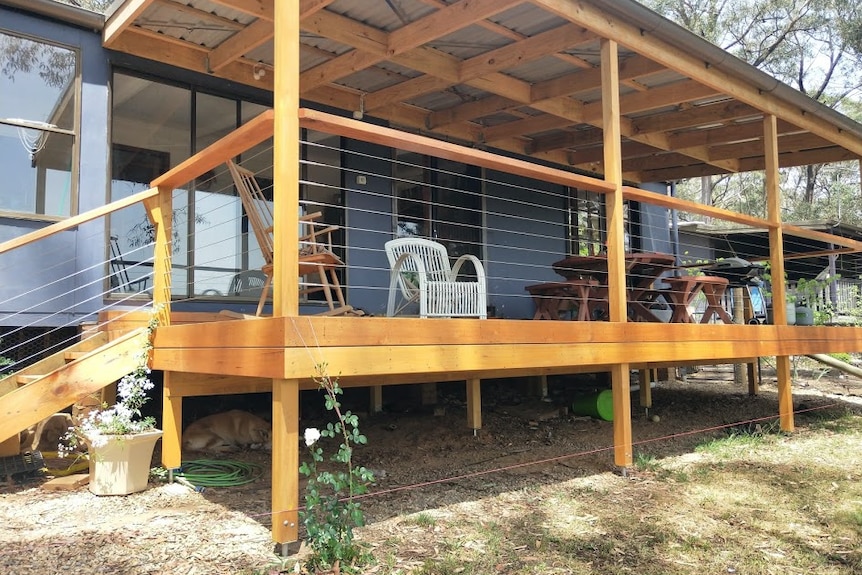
599,405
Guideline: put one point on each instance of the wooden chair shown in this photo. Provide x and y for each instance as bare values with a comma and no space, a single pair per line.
315,244
421,272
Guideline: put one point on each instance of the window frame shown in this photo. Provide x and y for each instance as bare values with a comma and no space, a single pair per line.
74,133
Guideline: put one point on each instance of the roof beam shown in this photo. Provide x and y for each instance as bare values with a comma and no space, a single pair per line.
258,8
309,7
697,116
153,46
786,144
753,164
469,111
591,158
633,103
733,132
630,69
122,19
255,34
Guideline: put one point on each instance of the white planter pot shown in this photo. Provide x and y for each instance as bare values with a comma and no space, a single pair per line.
122,465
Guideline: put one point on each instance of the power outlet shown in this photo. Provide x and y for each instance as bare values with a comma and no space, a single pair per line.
361,180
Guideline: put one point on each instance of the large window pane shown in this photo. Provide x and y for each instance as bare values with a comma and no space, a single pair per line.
37,82
151,133
215,228
38,100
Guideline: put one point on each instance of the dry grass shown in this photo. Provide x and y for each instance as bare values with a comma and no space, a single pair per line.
753,502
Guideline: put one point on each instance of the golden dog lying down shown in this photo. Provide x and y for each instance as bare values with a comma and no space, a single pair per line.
228,431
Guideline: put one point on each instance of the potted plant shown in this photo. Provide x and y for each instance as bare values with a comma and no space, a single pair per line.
119,438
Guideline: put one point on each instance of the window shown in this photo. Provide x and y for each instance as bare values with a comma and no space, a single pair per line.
156,126
588,225
38,127
439,199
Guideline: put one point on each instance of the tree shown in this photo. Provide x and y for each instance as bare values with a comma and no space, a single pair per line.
812,45
94,5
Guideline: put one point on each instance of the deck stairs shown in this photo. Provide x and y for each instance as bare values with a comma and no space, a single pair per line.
53,384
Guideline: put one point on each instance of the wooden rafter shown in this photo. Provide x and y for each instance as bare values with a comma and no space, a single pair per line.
186,55
548,118
568,85
122,19
255,34
607,26
258,8
438,64
413,35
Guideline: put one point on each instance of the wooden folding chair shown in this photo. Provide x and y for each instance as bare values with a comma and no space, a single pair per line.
315,244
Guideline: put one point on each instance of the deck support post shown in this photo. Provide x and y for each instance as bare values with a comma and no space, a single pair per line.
285,460
621,389
776,259
617,306
646,388
428,393
375,399
172,425
474,404
538,386
753,378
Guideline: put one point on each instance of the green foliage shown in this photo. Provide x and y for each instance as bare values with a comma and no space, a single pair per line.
5,362
424,520
331,511
646,462
124,417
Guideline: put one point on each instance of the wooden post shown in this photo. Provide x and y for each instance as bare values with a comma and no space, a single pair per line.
285,299
172,424
474,404
376,399
740,318
160,214
620,377
538,386
285,460
428,393
776,258
646,388
753,379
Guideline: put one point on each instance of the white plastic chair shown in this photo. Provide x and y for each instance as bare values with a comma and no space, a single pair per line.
420,272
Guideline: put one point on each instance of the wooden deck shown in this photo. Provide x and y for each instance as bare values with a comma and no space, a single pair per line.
381,350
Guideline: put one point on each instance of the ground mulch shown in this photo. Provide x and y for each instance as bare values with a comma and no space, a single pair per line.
424,458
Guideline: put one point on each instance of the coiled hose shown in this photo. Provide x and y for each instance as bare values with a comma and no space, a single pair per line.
202,473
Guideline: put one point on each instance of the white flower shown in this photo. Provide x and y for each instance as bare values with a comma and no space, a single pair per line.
311,436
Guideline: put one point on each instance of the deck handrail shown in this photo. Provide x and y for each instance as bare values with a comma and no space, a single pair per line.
155,202
233,144
77,220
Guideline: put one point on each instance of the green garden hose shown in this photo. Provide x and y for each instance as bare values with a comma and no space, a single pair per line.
201,473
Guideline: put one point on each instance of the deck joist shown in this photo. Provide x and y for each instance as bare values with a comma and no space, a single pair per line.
380,351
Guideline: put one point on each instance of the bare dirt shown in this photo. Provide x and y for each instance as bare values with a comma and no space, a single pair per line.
424,457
